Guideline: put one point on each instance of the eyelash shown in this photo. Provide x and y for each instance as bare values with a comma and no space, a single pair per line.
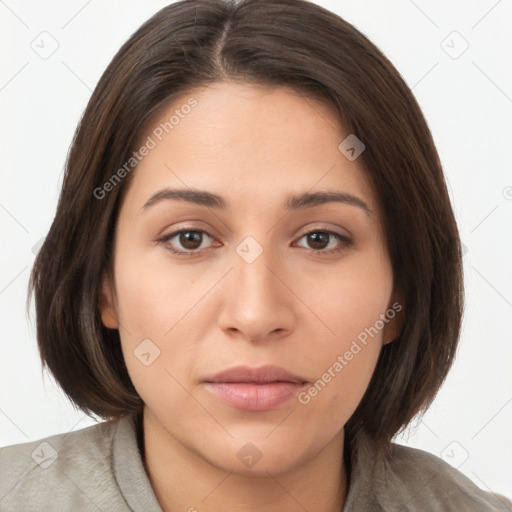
345,242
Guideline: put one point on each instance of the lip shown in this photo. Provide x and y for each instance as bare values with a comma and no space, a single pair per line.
255,389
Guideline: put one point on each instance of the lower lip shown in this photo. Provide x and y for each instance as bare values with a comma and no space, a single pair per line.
252,396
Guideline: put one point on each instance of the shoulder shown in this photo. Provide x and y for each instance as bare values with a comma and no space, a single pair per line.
421,481
60,472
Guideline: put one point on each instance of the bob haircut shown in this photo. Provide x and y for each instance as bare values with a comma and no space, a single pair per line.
268,43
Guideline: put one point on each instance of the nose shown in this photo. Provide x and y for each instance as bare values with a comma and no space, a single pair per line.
257,304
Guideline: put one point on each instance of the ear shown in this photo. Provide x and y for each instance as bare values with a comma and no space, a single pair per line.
106,304
395,318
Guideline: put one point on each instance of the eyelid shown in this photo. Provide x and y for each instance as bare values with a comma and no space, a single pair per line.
325,228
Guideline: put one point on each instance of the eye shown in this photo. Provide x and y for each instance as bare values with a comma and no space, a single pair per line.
186,242
324,241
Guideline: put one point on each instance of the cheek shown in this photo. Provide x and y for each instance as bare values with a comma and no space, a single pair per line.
153,295
347,342
348,301
158,355
150,306
343,366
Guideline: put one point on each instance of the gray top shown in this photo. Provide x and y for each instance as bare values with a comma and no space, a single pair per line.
99,468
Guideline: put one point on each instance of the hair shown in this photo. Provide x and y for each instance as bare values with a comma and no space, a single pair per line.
194,43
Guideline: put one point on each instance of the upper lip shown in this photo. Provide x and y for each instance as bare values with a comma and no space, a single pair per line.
261,375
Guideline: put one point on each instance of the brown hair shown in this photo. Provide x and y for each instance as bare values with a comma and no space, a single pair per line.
293,43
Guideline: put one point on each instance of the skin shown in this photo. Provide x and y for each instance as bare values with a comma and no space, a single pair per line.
297,305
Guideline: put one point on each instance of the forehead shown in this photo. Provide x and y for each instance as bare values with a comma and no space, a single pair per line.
248,142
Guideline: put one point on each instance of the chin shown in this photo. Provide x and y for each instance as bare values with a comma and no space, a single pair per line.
249,461
258,455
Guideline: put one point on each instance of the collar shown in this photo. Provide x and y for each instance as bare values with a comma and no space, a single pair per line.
129,470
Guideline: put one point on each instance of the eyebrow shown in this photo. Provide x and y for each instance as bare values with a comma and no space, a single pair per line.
296,202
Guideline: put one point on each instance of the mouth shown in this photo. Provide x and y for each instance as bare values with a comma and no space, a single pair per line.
255,389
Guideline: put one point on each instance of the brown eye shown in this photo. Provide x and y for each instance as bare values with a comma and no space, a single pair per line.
325,242
318,240
190,239
187,242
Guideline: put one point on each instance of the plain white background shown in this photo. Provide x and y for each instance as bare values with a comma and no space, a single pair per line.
454,55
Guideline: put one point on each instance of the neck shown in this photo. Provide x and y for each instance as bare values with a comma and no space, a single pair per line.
183,480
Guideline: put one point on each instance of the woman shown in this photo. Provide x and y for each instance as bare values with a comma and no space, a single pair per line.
254,275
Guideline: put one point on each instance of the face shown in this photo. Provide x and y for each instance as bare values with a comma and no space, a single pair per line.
253,289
